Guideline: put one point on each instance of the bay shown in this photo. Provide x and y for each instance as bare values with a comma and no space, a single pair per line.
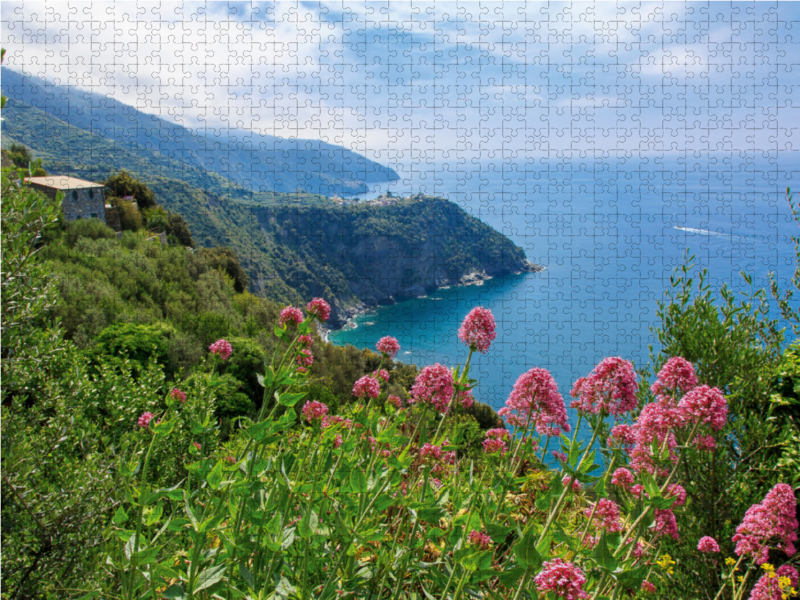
610,235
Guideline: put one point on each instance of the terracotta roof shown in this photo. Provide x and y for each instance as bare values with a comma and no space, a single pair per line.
62,182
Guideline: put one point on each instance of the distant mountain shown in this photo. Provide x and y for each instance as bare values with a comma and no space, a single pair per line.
259,163
292,246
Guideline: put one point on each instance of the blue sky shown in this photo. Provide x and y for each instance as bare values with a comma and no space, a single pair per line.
463,80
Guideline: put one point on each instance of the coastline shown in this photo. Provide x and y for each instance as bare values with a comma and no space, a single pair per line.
472,278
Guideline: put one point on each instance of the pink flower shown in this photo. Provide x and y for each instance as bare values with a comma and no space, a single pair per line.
558,455
676,490
314,410
498,433
367,387
769,524
433,386
705,442
429,452
290,315
647,587
304,358
637,490
535,401
562,578
196,445
477,330
675,378
480,539
576,485
768,586
305,341
144,420
337,441
330,421
176,394
382,374
707,405
395,401
623,435
221,347
388,345
654,424
319,308
707,544
666,524
494,446
611,388
301,370
622,477
606,516
465,398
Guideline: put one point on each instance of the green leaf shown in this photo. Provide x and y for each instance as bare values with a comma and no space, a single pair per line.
174,592
650,485
358,482
602,555
526,552
214,478
247,576
209,577
155,515
291,399
164,428
120,516
430,515
308,524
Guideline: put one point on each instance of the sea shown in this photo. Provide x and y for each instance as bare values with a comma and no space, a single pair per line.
610,234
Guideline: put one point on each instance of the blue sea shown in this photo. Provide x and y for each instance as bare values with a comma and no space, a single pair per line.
610,234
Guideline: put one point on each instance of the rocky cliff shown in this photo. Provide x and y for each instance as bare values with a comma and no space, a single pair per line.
370,255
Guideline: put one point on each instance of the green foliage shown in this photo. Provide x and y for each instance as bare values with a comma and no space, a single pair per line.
138,343
124,184
94,229
227,261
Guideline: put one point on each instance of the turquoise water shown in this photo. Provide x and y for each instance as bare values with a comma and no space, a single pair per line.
609,238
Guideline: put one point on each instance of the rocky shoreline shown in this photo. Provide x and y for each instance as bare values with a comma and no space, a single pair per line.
343,316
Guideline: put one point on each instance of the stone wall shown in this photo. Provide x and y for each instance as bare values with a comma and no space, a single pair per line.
87,203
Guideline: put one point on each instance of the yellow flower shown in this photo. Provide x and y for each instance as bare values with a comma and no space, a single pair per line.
767,567
730,562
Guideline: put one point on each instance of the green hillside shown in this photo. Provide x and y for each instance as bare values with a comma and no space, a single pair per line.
292,246
254,161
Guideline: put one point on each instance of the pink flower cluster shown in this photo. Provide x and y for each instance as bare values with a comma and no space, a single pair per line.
319,309
367,387
429,452
433,386
705,404
221,347
480,539
675,490
176,394
314,410
606,516
304,358
623,435
535,401
494,446
478,329
622,477
576,485
388,345
768,586
290,315
675,378
666,523
465,398
563,578
395,401
144,420
381,374
305,341
610,388
707,544
771,523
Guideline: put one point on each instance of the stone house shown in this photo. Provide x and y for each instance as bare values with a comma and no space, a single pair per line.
82,199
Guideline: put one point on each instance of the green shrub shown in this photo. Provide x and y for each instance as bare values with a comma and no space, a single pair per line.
93,229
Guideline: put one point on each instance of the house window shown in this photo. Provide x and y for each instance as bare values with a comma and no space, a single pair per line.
93,215
91,194
74,194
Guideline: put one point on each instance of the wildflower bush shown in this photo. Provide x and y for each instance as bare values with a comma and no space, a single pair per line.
380,501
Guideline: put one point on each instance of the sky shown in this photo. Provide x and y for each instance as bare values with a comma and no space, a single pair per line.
455,80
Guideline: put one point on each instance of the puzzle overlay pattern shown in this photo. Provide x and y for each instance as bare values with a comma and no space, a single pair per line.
604,139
